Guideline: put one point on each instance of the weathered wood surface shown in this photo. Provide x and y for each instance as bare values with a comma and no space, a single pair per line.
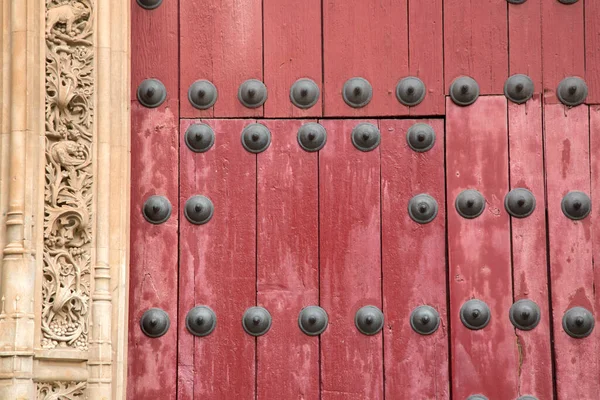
525,41
592,50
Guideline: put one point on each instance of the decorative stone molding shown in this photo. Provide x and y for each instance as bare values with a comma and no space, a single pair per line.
61,391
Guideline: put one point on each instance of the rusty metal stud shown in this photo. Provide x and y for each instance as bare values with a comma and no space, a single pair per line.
202,94
151,93
518,88
576,205
313,320
256,138
149,4
525,314
369,320
304,93
420,137
424,320
365,136
201,321
519,203
578,322
410,91
470,203
422,208
477,397
312,136
475,314
464,91
198,209
155,322
156,209
252,93
256,321
199,138
572,91
357,92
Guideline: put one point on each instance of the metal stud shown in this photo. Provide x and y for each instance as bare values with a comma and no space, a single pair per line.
464,91
578,322
252,93
572,91
519,203
155,322
156,209
470,203
198,209
256,321
516,1
527,397
365,136
151,93
369,320
357,92
149,4
420,137
424,320
568,1
313,320
312,136
576,205
199,138
477,397
410,91
201,321
256,138
525,314
202,94
304,93
475,314
422,208
518,88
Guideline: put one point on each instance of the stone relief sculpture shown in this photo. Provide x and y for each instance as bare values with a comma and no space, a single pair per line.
61,391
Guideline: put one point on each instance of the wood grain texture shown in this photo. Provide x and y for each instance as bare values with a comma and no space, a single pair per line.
592,50
484,361
414,264
595,194
350,256
525,40
218,266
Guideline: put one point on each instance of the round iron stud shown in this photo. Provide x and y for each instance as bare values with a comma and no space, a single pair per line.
424,320
202,94
578,322
256,138
256,321
304,93
516,1
357,92
464,91
420,137
201,321
149,4
410,91
422,208
198,209
519,203
524,315
475,314
199,138
477,397
252,93
312,136
156,209
568,1
369,320
576,205
518,88
527,397
470,203
151,93
365,136
313,320
155,322
572,91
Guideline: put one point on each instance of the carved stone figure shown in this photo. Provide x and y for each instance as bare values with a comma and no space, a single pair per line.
65,14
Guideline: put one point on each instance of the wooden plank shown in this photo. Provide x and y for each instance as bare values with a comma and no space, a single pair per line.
476,43
414,264
351,363
595,194
221,41
529,245
571,266
592,51
369,40
292,50
218,266
288,264
484,361
525,41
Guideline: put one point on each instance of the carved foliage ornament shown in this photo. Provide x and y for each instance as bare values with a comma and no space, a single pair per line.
61,391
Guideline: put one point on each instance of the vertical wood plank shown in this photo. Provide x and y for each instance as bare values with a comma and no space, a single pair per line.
414,264
218,266
351,363
525,40
592,51
369,40
483,361
595,195
288,264
292,50
476,43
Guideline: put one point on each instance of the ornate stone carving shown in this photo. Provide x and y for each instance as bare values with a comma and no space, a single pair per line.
61,391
